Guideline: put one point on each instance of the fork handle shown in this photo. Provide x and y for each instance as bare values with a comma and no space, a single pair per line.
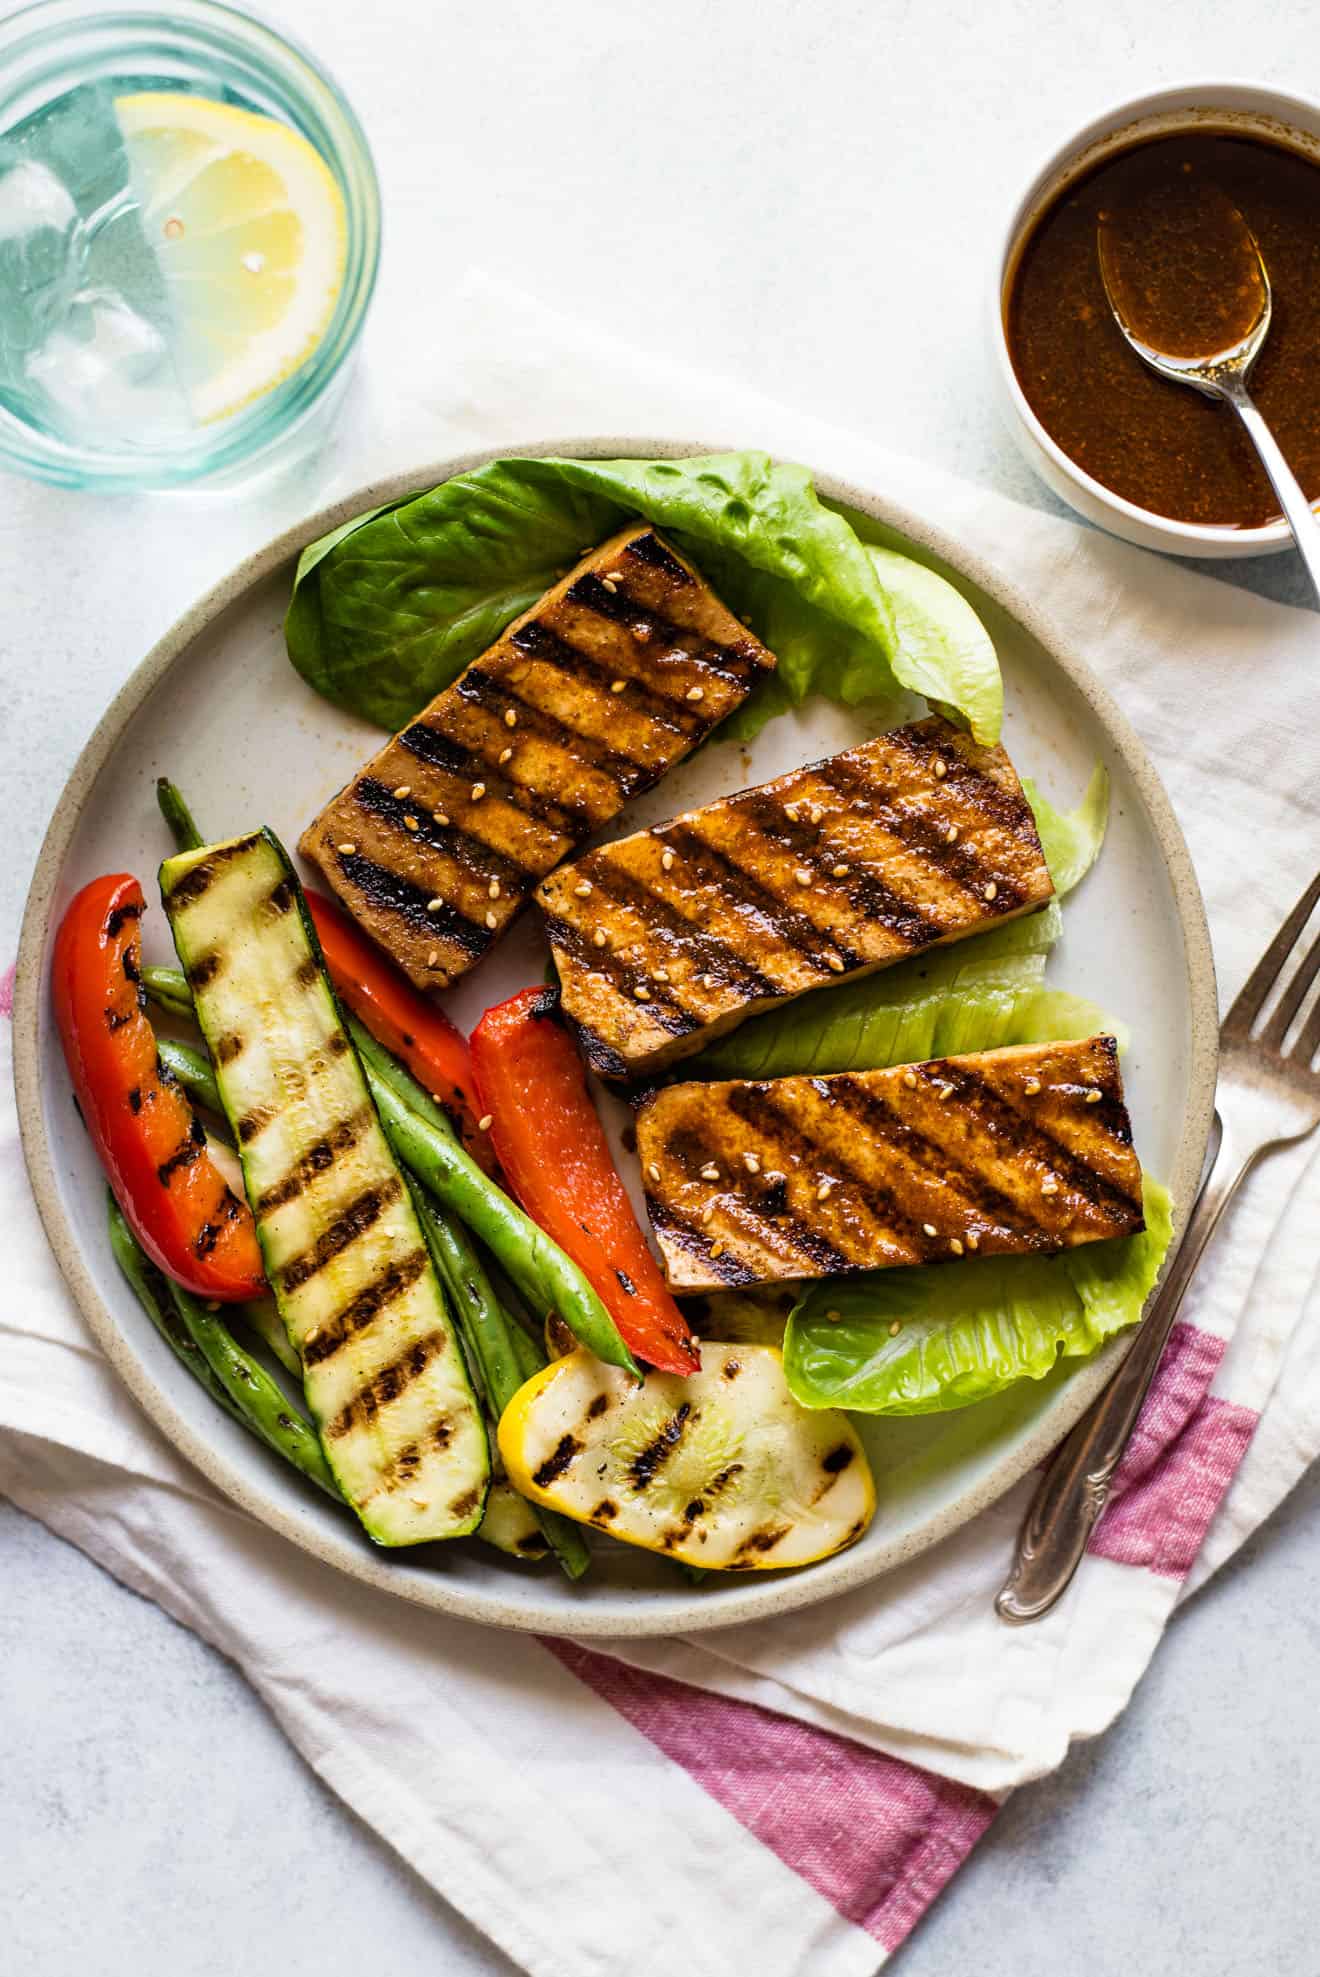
1074,1489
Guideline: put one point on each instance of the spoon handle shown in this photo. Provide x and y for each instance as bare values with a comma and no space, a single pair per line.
1301,517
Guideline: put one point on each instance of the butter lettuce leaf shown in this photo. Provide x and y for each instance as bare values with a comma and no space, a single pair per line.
1071,839
967,1330
389,610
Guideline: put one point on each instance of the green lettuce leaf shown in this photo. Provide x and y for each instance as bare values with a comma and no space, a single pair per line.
389,611
967,1330
1071,839
977,995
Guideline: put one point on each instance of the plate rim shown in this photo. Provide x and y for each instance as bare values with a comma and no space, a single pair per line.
664,1615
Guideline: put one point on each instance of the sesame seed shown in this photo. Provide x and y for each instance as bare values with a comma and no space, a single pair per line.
506,755
951,835
752,1163
710,1172
666,861
946,1093
696,693
910,1080
599,938
662,974
404,789
642,992
1051,1186
346,850
717,1249
494,889
492,921
431,960
440,817
615,576
411,824
653,1171
485,1121
708,1213
895,1328
835,961
802,875
991,890
824,1190
833,1316
1031,1087
609,583
510,717
956,1246
1094,1095
816,813
842,871
478,791
791,812
929,1229
973,1241
583,889
617,686
941,768
435,905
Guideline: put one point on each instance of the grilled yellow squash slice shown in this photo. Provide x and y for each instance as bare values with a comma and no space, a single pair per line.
721,1468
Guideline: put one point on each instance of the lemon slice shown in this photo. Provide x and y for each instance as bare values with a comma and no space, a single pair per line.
247,224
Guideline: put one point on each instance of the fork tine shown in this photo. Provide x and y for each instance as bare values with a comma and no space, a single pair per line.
1263,976
1308,1043
1292,998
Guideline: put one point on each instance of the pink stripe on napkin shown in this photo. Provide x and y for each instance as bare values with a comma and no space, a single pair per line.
1182,1457
876,1837
7,989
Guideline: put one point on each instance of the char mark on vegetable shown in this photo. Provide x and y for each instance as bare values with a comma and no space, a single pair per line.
557,1462
642,1469
356,1219
119,917
184,1155
317,1160
187,890
388,1384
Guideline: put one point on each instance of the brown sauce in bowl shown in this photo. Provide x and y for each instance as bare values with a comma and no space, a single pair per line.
1158,444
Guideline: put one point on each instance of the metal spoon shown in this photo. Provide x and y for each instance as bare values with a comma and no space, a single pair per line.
1221,373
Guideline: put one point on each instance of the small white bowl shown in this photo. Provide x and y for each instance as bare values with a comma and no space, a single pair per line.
1250,108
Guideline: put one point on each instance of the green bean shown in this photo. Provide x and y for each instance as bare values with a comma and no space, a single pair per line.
538,1267
148,1287
178,816
193,1070
201,1341
503,1353
169,990
260,1401
260,1316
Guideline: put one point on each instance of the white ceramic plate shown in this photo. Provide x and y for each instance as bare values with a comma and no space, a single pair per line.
218,707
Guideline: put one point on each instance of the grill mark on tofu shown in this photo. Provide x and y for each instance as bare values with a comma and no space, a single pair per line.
479,860
958,864
541,642
651,549
390,892
317,1160
734,663
662,1004
494,696
1009,808
864,888
560,816
337,1331
356,1219
1016,1125
710,953
387,1385
746,893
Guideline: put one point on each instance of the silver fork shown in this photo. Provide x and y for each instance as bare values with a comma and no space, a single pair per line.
1268,1097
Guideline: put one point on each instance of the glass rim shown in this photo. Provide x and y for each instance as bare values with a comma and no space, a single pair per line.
40,50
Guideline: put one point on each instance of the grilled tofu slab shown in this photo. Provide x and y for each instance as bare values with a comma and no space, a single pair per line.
585,701
668,938
999,1152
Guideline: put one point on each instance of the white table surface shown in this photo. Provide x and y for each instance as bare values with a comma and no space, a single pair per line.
802,196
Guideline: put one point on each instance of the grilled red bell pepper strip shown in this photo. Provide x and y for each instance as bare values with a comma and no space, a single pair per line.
150,1141
410,1028
556,1160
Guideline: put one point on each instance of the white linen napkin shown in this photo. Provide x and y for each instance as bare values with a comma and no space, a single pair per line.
536,1789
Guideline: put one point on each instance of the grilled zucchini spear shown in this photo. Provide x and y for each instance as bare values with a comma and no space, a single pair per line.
383,1371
